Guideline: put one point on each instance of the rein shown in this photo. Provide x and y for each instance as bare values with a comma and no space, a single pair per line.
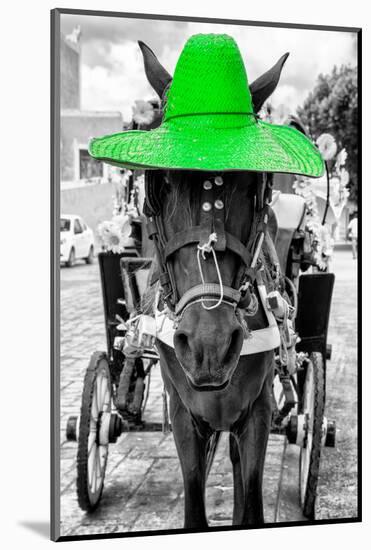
209,237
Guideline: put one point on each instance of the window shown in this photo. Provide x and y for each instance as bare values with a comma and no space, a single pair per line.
65,224
89,167
77,227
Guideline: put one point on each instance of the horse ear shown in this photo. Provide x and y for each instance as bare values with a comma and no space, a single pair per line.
265,85
157,76
298,125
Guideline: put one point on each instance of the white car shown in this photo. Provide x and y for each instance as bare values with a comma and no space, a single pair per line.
77,240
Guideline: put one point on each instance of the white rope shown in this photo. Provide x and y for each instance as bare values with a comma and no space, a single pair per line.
208,247
257,250
202,250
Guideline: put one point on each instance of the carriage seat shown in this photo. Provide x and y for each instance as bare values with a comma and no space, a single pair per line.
289,211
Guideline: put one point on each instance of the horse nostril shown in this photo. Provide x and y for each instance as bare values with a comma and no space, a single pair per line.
181,339
181,343
184,345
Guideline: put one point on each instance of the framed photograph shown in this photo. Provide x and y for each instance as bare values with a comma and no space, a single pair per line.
206,192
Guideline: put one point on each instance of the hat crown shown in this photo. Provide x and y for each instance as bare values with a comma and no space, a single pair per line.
210,77
207,123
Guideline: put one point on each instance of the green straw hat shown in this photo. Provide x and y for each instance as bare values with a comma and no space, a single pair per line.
209,122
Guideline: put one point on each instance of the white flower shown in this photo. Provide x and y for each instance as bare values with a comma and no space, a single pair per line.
115,234
111,236
323,244
341,158
139,186
104,228
327,146
126,176
143,112
303,186
113,241
122,225
344,177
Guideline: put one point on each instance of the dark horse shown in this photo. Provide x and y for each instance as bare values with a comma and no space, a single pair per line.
212,388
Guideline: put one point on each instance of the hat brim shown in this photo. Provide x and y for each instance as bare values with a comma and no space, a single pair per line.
258,147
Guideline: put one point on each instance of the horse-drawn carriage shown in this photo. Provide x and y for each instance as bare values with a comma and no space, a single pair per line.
238,325
117,381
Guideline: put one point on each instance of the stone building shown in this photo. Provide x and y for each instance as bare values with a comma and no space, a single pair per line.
87,188
77,124
70,73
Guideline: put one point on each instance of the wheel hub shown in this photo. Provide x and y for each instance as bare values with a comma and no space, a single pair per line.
298,428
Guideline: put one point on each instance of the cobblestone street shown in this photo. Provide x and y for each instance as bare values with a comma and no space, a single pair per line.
143,486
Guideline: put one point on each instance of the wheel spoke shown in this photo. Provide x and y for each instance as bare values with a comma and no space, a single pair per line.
103,449
107,398
91,442
95,470
94,407
99,466
97,390
102,392
91,462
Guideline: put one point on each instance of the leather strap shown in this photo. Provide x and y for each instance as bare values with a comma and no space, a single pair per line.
212,220
152,206
208,289
192,235
206,216
156,232
219,219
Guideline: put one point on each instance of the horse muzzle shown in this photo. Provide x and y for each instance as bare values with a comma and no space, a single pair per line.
208,345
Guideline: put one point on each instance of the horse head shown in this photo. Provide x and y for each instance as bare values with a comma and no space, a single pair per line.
207,360
206,223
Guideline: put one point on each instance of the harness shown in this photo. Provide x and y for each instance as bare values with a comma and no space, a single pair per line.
210,237
256,341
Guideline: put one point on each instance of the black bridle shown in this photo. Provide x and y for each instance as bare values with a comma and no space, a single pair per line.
212,222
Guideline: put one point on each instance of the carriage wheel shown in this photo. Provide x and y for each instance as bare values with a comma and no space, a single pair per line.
92,451
313,408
